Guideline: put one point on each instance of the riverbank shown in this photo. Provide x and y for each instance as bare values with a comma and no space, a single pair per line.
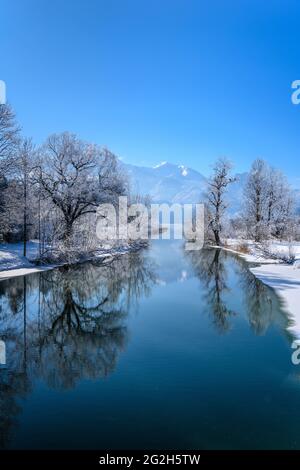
282,276
13,263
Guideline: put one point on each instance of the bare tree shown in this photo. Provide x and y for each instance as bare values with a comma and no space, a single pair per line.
77,176
9,136
217,186
269,205
19,201
8,140
24,166
280,205
256,197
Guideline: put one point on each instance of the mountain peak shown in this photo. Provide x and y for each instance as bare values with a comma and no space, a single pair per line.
161,164
184,170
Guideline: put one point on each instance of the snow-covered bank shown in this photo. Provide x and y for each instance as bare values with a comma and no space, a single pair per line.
13,263
267,252
284,278
23,271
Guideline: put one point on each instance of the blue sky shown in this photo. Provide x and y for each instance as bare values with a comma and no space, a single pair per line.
183,81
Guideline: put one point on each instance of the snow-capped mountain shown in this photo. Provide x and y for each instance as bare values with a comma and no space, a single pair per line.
167,182
172,183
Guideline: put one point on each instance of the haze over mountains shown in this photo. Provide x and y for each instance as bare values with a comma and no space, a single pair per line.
172,183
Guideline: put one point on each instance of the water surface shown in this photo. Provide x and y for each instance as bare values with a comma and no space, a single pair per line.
158,349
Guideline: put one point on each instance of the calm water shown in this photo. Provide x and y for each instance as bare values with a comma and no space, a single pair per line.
159,349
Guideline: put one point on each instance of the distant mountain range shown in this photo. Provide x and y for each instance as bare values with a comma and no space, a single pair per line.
172,183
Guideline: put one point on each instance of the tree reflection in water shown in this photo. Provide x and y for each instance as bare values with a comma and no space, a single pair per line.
209,266
259,303
66,325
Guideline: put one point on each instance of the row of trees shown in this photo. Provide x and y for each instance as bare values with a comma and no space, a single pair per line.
268,204
52,192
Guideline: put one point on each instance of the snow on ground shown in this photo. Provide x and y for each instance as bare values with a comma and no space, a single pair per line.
10,260
284,278
269,252
17,249
6,274
13,263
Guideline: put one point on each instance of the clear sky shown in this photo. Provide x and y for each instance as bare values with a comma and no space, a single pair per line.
183,81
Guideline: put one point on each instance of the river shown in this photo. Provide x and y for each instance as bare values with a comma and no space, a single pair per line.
158,349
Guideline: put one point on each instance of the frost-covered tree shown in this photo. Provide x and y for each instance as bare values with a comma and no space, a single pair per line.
216,196
25,163
269,204
9,137
77,176
18,196
256,192
281,200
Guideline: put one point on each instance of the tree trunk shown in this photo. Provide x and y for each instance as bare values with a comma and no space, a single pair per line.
68,229
257,217
217,237
25,217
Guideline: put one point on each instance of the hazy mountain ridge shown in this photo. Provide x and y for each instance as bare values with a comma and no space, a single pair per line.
168,182
171,183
